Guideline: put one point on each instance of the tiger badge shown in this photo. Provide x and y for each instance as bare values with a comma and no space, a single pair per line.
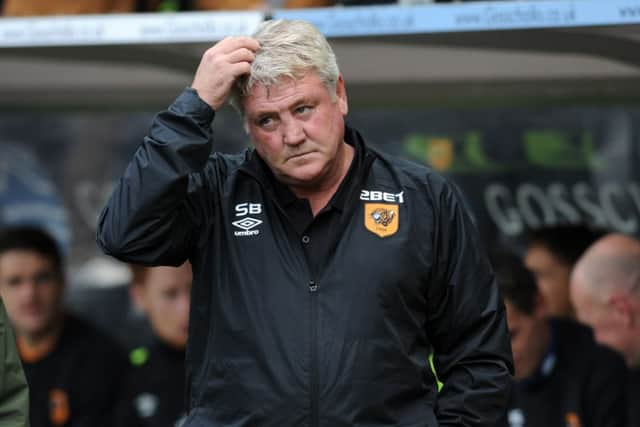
59,412
572,419
381,219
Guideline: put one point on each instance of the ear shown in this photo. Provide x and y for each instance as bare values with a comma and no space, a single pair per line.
341,96
621,309
138,297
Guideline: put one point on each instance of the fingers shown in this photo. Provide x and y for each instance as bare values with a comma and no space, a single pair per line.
230,44
221,65
240,55
240,68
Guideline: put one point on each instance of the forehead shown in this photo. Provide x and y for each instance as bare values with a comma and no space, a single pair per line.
18,260
283,93
539,253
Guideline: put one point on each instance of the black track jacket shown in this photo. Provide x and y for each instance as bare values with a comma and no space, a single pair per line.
271,345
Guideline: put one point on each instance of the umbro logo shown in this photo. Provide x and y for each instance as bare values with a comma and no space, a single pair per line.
247,224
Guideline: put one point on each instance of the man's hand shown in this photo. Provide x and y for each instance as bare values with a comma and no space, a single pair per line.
220,66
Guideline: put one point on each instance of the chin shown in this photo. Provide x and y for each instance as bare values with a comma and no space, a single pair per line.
34,330
308,174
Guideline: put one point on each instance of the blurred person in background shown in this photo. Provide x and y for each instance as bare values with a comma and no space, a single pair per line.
65,7
14,392
324,271
154,391
562,377
75,7
605,289
551,253
74,371
258,4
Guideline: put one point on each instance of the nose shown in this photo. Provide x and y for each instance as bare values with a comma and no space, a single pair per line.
27,291
293,132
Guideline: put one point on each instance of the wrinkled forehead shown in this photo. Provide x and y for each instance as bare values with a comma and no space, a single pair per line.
267,89
281,81
283,94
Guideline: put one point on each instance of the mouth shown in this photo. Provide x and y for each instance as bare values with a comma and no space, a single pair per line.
299,155
31,310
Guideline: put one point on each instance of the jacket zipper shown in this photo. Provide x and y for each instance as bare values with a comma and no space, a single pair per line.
313,289
313,395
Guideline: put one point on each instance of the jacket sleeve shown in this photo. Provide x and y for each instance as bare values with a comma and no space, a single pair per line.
161,200
466,320
14,393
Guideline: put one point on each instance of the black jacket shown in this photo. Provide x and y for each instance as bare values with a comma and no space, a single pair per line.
578,383
272,345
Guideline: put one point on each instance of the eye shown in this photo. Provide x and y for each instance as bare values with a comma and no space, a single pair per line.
266,122
171,294
302,109
43,278
14,281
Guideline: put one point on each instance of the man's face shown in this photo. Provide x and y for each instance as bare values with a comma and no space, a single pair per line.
611,327
529,340
32,291
552,278
164,297
298,128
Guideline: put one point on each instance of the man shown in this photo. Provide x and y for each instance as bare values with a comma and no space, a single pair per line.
563,378
605,289
323,271
73,371
154,394
14,393
551,254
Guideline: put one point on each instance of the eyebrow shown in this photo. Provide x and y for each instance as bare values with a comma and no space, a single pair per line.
304,100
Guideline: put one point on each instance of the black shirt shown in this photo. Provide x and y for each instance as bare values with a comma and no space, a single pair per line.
578,383
317,234
76,384
154,391
634,396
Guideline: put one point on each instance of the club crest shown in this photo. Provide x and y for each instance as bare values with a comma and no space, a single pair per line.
381,219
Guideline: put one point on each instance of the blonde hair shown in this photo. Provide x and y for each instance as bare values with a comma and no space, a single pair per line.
288,49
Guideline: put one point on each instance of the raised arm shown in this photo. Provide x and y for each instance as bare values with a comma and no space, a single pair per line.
472,351
162,201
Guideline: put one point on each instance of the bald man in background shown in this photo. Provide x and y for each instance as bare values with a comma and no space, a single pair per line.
605,290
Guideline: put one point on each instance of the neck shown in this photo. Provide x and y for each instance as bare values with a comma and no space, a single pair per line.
319,196
34,347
